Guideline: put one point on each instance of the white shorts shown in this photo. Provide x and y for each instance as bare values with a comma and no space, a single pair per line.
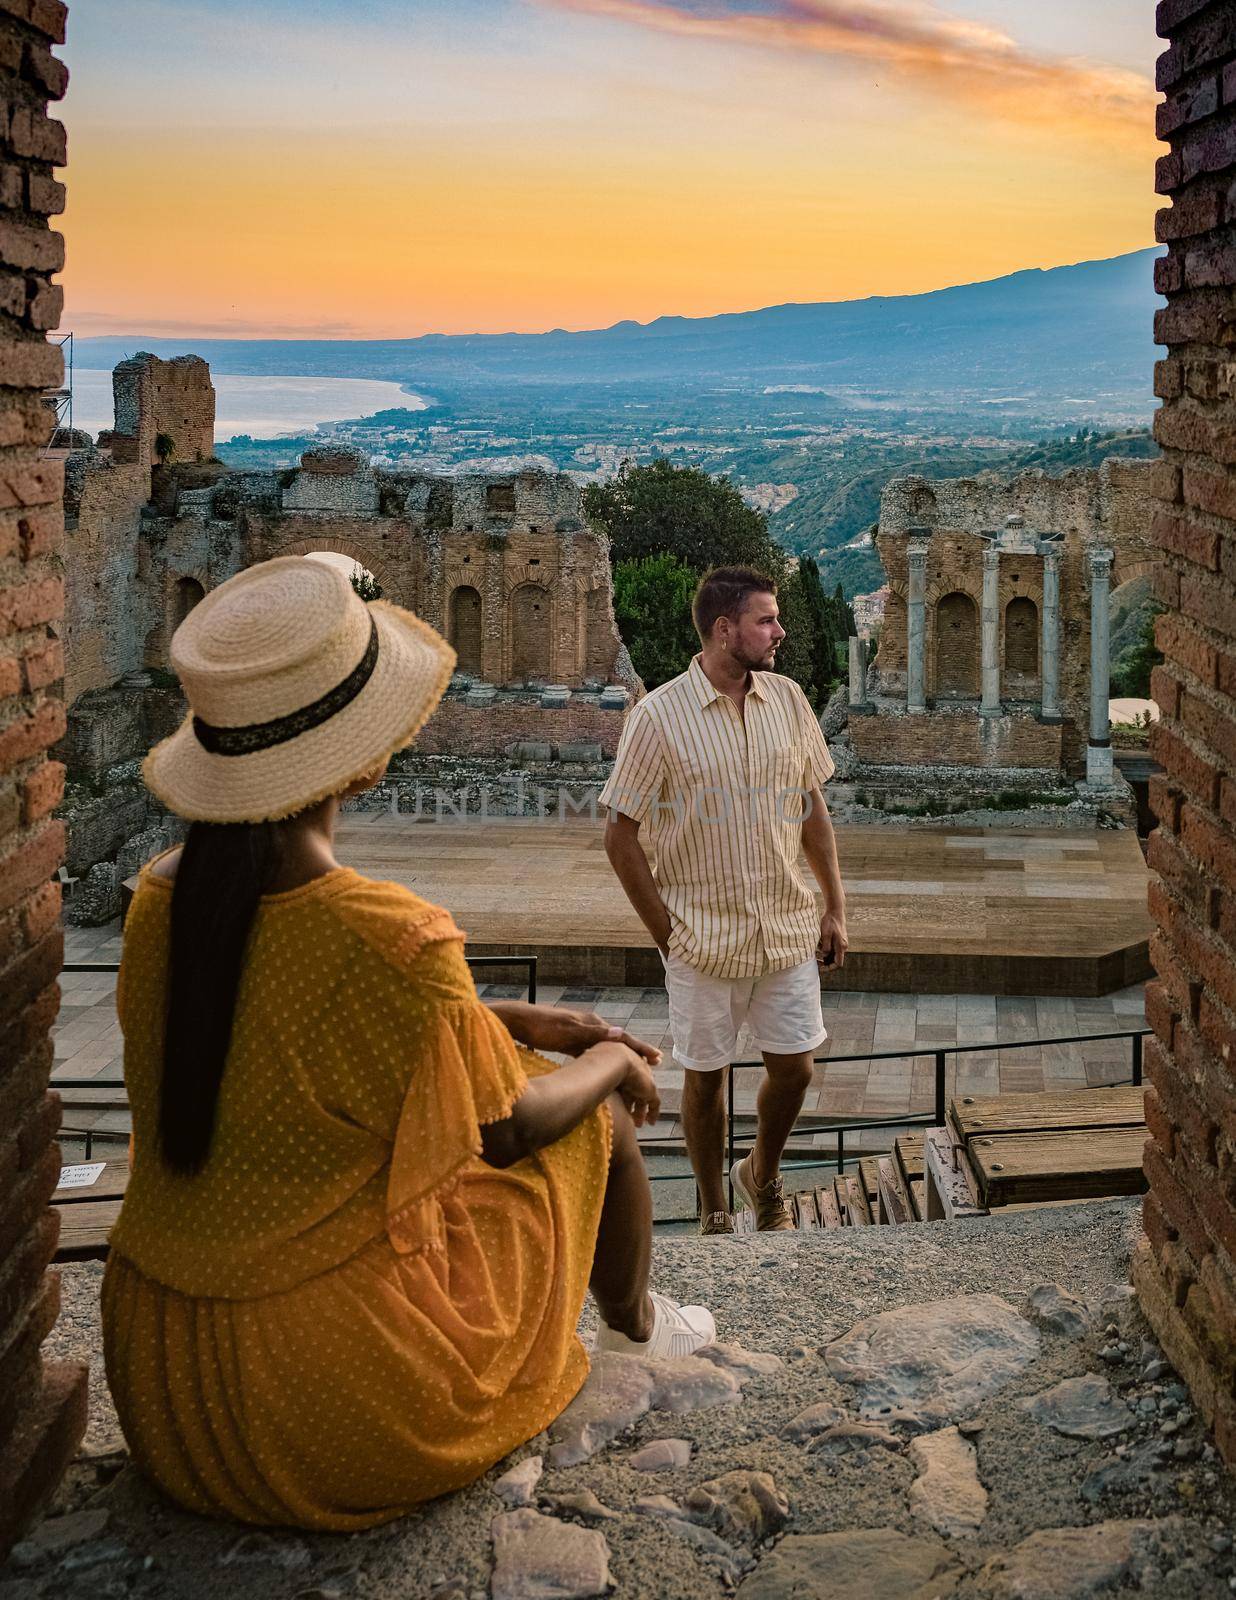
782,1010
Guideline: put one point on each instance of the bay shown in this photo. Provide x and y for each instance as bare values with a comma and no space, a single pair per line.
264,408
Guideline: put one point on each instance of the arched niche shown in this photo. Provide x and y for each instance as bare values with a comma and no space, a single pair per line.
957,647
464,627
1021,648
530,632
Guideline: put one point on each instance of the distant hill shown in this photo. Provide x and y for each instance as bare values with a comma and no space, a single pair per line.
1073,334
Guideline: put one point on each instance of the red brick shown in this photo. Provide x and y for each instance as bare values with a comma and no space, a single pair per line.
1169,14
1218,1031
42,792
1208,601
1211,846
1164,856
1210,491
30,974
1212,725
31,247
1199,100
22,1273
26,605
40,912
1166,178
1165,480
1196,211
39,1126
1174,1199
1225,672
1213,150
1165,691
43,666
23,1039
45,308
12,679
40,532
1184,646
1208,265
1164,799
1156,1226
49,17
1178,429
31,865
31,483
44,196
1160,1125
31,735
1186,538
1165,585
1196,773
1178,1102
34,134
1227,802
51,77
1183,987
31,364
1168,376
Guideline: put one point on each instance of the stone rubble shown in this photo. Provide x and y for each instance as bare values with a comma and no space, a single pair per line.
814,1420
860,1564
518,1486
1054,1308
1083,1408
947,1493
740,1505
661,1455
583,1504
930,1365
848,1437
621,1389
1075,1563
538,1558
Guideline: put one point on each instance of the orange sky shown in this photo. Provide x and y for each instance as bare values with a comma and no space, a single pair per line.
578,161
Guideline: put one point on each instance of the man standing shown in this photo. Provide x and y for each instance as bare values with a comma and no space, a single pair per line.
725,764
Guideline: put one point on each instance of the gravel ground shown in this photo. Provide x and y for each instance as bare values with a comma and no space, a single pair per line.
790,1295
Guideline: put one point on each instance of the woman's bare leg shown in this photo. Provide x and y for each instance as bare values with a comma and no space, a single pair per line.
624,1239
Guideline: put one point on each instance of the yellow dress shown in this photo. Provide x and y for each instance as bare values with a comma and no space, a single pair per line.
345,1312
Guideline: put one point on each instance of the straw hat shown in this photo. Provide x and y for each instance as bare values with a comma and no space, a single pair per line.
295,687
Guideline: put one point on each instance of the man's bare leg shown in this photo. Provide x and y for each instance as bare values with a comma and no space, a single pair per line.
781,1096
703,1128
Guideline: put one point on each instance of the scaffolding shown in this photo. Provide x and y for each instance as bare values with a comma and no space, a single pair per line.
60,401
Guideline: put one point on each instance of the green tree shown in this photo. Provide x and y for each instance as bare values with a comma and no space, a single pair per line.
652,607
663,509
1132,667
365,584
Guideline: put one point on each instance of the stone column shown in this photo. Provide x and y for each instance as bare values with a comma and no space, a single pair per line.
1099,750
991,632
1049,644
916,626
860,706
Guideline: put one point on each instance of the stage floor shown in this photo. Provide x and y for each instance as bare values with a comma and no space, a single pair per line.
944,911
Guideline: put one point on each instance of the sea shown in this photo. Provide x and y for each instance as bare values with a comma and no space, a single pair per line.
264,408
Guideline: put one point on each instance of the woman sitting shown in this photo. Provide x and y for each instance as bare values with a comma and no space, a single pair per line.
362,1217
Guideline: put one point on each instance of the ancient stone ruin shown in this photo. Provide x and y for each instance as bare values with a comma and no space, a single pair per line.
506,567
993,667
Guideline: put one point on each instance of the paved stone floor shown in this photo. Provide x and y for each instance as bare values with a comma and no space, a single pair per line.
906,1029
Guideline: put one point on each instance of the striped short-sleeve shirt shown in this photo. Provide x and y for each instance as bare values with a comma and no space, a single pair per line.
721,793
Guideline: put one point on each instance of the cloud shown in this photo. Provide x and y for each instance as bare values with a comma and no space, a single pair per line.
94,324
916,43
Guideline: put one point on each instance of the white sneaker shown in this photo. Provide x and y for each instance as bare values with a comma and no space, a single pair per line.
676,1331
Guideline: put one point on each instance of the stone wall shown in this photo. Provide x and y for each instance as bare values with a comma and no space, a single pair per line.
1008,741
459,729
165,410
1186,1269
1070,513
42,1406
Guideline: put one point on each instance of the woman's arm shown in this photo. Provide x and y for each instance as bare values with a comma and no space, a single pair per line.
565,1032
554,1104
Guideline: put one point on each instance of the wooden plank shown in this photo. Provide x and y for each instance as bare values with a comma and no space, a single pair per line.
744,1220
894,1203
85,1230
109,1185
856,1202
99,1097
975,1116
918,1199
841,1193
1059,1165
950,1195
869,1179
908,1148
826,1205
805,1214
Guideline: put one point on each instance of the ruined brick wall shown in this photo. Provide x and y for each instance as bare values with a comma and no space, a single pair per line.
1185,1270
969,741
165,410
42,1406
459,730
1108,505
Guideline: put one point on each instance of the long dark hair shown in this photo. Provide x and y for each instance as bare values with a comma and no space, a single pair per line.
225,868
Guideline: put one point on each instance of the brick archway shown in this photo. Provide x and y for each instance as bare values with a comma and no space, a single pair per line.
392,588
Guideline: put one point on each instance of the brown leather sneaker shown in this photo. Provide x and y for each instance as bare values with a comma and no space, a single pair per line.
768,1202
716,1222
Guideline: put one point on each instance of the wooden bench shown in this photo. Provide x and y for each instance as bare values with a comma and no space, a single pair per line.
88,1212
1003,1151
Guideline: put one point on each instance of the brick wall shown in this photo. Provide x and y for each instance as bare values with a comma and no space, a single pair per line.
459,730
42,1406
955,738
1185,1270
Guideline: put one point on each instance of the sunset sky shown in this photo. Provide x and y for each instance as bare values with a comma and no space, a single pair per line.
384,168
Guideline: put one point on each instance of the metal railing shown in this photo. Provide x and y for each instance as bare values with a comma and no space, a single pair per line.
936,1118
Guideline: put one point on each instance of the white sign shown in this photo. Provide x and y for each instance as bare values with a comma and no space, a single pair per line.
81,1177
